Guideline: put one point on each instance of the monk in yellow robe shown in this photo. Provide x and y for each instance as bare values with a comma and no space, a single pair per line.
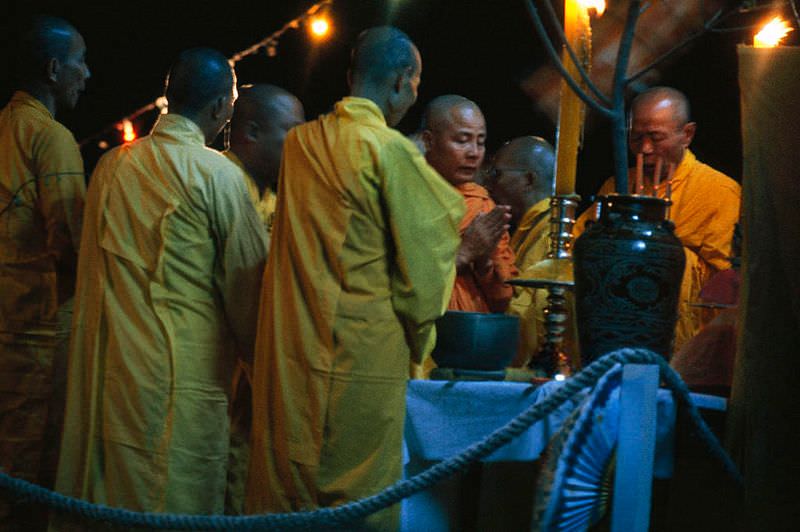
169,272
42,189
361,265
454,136
522,176
262,116
705,202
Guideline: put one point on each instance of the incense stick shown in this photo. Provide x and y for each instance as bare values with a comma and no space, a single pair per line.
657,175
639,172
670,172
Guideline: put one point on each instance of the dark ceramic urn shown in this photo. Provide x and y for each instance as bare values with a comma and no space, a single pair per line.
628,270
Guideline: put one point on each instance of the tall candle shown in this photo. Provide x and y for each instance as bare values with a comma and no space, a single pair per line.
570,112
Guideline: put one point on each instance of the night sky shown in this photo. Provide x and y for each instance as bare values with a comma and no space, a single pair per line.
478,49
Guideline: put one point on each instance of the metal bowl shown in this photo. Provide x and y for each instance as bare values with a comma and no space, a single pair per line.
474,340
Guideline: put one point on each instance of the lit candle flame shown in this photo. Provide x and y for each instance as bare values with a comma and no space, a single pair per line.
772,33
598,5
128,133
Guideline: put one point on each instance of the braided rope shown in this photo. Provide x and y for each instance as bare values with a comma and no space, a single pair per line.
355,510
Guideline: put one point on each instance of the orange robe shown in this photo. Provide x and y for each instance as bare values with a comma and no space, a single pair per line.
487,293
705,207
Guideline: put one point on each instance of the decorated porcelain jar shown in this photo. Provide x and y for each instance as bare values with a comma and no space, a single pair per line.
628,270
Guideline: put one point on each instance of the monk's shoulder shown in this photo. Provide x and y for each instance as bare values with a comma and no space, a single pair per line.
715,181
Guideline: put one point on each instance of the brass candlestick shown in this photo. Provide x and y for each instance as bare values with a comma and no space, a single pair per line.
555,274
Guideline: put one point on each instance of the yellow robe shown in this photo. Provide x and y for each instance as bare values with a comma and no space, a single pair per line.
263,203
241,390
705,207
39,233
169,273
530,244
362,263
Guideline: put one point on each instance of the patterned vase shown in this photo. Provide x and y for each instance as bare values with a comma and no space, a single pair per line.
628,271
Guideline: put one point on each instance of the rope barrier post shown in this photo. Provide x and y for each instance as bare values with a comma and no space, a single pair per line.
636,448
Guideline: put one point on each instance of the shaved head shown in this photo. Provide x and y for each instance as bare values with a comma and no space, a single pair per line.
532,153
664,97
262,117
385,67
197,78
380,53
522,174
45,38
442,109
262,103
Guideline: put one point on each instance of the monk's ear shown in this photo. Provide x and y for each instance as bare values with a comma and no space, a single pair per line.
52,68
427,139
251,130
399,81
217,106
221,108
688,133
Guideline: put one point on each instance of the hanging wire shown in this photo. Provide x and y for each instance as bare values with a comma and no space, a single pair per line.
551,51
581,70
269,44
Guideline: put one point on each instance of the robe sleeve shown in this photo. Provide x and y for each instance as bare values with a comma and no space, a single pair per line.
242,245
423,214
497,293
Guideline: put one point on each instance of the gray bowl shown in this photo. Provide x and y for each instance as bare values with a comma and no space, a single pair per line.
474,340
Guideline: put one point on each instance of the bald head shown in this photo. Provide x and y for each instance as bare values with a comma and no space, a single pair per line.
441,111
522,174
380,53
665,97
385,67
262,117
262,103
198,77
44,39
51,62
531,153
201,86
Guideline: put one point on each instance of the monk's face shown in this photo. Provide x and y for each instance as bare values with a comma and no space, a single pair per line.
287,113
72,73
508,182
658,132
455,146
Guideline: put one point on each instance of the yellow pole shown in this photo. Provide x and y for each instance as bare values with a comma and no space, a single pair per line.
570,114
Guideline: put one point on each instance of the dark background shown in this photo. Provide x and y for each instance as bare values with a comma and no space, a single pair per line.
481,50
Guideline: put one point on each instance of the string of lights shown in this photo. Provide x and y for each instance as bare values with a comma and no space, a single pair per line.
315,17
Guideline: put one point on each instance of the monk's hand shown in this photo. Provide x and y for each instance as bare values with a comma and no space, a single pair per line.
480,238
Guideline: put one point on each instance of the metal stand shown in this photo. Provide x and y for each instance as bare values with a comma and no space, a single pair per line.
555,274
